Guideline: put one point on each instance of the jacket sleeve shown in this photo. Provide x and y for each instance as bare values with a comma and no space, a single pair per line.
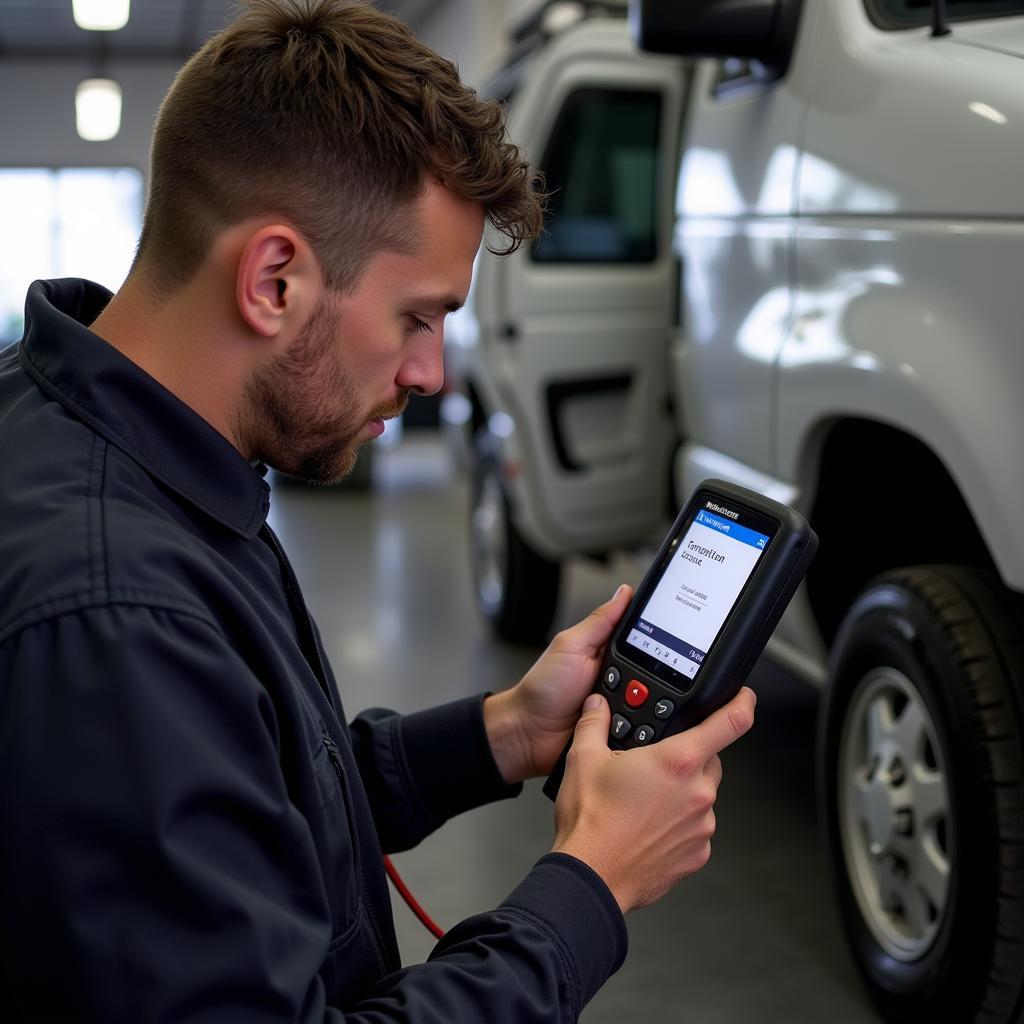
536,959
421,769
153,867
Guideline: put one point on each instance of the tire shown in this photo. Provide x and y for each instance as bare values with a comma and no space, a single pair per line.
516,589
922,794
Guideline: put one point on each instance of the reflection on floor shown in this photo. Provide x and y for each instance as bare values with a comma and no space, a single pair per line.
753,937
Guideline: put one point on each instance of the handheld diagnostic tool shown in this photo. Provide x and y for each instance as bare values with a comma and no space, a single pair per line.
702,615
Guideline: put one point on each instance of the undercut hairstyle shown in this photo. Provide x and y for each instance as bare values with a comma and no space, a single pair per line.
334,117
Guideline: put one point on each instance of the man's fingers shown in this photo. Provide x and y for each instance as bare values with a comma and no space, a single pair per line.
593,632
718,730
592,728
713,770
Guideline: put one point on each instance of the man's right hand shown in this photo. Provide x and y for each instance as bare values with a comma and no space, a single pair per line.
643,818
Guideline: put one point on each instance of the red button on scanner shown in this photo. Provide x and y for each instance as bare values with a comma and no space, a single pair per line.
636,693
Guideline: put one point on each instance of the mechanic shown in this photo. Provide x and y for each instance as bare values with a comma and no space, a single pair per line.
190,831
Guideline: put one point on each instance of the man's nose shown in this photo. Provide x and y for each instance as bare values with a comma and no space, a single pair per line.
423,371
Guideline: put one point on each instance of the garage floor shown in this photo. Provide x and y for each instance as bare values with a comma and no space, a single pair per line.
752,937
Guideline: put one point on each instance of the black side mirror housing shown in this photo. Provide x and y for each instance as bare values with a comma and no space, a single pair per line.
762,30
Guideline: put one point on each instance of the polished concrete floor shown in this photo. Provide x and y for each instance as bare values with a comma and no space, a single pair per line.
753,937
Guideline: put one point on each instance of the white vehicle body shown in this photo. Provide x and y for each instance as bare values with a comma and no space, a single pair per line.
850,243
873,244
823,303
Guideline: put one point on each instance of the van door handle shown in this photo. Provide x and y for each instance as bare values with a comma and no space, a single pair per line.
508,331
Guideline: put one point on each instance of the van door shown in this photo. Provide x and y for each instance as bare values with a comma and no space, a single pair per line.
579,357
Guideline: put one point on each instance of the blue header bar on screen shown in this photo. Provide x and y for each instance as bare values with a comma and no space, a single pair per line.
730,529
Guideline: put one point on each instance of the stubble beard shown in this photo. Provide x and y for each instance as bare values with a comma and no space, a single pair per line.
304,409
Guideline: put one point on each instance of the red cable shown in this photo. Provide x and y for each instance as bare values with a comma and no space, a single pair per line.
403,891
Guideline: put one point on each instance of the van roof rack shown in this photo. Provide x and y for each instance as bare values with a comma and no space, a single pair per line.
552,16
549,19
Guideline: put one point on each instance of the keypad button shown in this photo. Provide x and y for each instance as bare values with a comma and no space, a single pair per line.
636,693
611,677
621,727
643,735
663,709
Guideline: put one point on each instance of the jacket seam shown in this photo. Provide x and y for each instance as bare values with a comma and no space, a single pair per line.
51,608
90,567
105,547
568,962
95,532
82,410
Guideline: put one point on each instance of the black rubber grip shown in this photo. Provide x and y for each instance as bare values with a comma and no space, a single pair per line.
554,780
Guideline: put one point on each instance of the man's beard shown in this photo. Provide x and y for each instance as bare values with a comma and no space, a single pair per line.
304,413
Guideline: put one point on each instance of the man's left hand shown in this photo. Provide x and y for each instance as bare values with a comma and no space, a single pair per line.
529,724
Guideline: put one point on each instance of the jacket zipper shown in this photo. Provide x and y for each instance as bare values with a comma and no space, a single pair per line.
300,614
339,769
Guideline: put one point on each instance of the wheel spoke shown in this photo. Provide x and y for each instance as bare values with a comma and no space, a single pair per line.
905,893
879,726
916,911
929,797
860,790
890,885
923,891
931,874
911,732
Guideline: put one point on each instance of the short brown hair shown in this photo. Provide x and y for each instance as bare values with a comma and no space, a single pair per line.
334,116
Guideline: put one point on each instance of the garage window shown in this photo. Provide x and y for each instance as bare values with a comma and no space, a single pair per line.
601,168
64,222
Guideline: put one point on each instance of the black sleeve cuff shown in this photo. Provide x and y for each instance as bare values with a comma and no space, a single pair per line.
449,758
572,903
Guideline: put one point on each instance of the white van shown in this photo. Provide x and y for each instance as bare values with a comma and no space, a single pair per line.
791,254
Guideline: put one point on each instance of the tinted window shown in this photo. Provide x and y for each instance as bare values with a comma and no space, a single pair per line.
911,13
601,168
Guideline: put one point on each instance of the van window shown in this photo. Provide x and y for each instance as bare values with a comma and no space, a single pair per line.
601,169
896,14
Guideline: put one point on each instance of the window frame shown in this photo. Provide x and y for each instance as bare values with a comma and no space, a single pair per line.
882,16
572,99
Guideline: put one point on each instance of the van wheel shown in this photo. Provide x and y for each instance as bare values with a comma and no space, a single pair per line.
922,795
516,588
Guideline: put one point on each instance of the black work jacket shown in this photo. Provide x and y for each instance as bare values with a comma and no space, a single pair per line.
189,831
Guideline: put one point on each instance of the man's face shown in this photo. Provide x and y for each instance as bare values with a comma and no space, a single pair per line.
360,354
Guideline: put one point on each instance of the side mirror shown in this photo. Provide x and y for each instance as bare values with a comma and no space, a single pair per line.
762,30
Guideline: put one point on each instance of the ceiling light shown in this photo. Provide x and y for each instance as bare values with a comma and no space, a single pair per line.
559,16
100,15
98,109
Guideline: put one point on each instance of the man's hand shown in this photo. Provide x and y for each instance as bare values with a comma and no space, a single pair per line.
643,818
529,724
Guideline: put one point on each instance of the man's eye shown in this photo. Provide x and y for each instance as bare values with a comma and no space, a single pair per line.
420,325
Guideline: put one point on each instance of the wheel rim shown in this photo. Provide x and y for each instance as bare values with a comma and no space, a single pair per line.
488,530
895,814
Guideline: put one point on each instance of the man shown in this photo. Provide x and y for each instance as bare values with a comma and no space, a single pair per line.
190,831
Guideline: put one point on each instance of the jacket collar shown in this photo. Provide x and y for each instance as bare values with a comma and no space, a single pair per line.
132,410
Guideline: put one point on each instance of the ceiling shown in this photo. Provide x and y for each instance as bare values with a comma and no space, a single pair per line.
42,29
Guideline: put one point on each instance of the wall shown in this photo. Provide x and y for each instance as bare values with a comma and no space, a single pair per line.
37,117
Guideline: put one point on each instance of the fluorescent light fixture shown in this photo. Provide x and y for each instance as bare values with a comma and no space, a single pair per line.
100,15
98,109
561,15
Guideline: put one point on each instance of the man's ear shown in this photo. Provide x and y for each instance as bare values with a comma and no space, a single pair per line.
278,281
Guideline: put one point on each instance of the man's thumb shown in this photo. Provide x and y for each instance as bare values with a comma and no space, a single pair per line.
592,728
